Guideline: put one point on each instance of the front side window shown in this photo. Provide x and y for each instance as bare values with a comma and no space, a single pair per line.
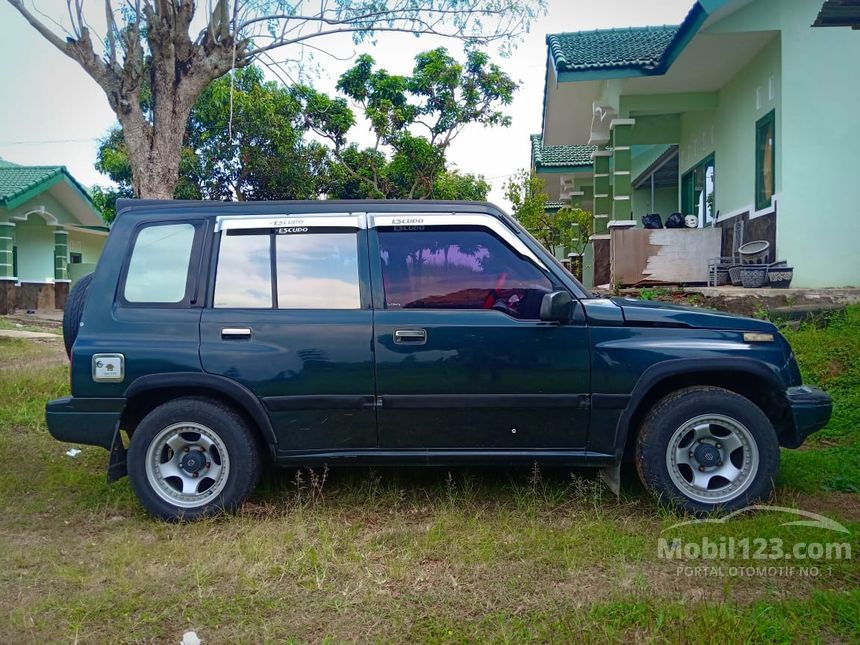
312,270
765,160
458,269
158,269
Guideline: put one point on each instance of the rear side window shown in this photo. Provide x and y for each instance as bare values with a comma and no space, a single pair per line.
440,268
244,277
158,268
312,270
317,271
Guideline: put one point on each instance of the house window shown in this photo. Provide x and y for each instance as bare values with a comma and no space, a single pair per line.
75,258
698,191
765,160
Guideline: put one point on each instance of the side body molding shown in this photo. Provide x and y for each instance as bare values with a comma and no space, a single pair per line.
678,366
220,384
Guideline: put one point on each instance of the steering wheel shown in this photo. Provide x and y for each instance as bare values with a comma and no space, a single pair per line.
501,305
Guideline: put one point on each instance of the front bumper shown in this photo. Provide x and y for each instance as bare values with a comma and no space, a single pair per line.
810,409
88,421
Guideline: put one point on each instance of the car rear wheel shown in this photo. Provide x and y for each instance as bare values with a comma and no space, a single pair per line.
73,311
703,449
193,457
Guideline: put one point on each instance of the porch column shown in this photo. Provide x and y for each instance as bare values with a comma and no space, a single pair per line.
602,213
7,243
7,270
622,136
61,255
61,267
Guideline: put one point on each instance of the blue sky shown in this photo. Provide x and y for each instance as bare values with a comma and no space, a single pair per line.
52,113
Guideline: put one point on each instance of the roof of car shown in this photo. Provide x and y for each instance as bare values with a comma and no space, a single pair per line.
317,207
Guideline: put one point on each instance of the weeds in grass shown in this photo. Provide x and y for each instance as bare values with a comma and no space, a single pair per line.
405,554
309,486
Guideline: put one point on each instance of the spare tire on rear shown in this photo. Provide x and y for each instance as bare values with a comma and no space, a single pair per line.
73,311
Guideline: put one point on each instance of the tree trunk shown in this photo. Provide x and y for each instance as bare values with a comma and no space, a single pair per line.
156,170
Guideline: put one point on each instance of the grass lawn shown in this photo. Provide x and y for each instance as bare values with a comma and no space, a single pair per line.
412,554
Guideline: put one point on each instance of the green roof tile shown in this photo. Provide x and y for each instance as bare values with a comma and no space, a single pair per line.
641,47
559,156
649,50
17,180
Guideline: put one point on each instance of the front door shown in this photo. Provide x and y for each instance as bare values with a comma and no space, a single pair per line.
462,360
290,319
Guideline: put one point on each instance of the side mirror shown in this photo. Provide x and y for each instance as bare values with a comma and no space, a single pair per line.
556,306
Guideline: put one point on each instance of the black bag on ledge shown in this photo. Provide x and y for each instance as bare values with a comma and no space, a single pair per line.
675,220
652,220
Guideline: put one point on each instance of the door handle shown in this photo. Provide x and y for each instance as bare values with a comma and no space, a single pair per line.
237,333
416,336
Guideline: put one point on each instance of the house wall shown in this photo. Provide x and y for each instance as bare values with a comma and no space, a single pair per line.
90,246
35,242
665,202
729,131
818,133
819,214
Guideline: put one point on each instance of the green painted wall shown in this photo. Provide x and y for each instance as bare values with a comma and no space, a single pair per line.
88,245
665,202
729,130
34,239
818,135
818,220
35,242
588,267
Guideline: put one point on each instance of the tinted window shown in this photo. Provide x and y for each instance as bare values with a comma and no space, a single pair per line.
158,269
244,274
317,271
446,269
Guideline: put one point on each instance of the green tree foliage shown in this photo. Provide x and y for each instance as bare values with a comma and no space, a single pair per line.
413,119
568,227
259,154
173,49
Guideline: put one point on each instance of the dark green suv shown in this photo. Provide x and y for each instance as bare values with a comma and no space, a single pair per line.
217,336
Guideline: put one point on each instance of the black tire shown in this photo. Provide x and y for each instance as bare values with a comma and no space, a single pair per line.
74,310
663,425
238,443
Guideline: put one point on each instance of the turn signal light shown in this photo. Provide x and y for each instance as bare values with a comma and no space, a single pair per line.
752,337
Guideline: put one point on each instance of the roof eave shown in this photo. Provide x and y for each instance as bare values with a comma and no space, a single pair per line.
85,196
14,201
690,26
559,169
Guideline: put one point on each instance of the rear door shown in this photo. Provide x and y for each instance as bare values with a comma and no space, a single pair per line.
462,360
290,318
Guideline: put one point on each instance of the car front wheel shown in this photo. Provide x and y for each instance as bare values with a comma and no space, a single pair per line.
193,457
703,449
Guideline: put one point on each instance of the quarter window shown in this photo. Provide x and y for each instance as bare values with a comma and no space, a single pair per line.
158,269
458,269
